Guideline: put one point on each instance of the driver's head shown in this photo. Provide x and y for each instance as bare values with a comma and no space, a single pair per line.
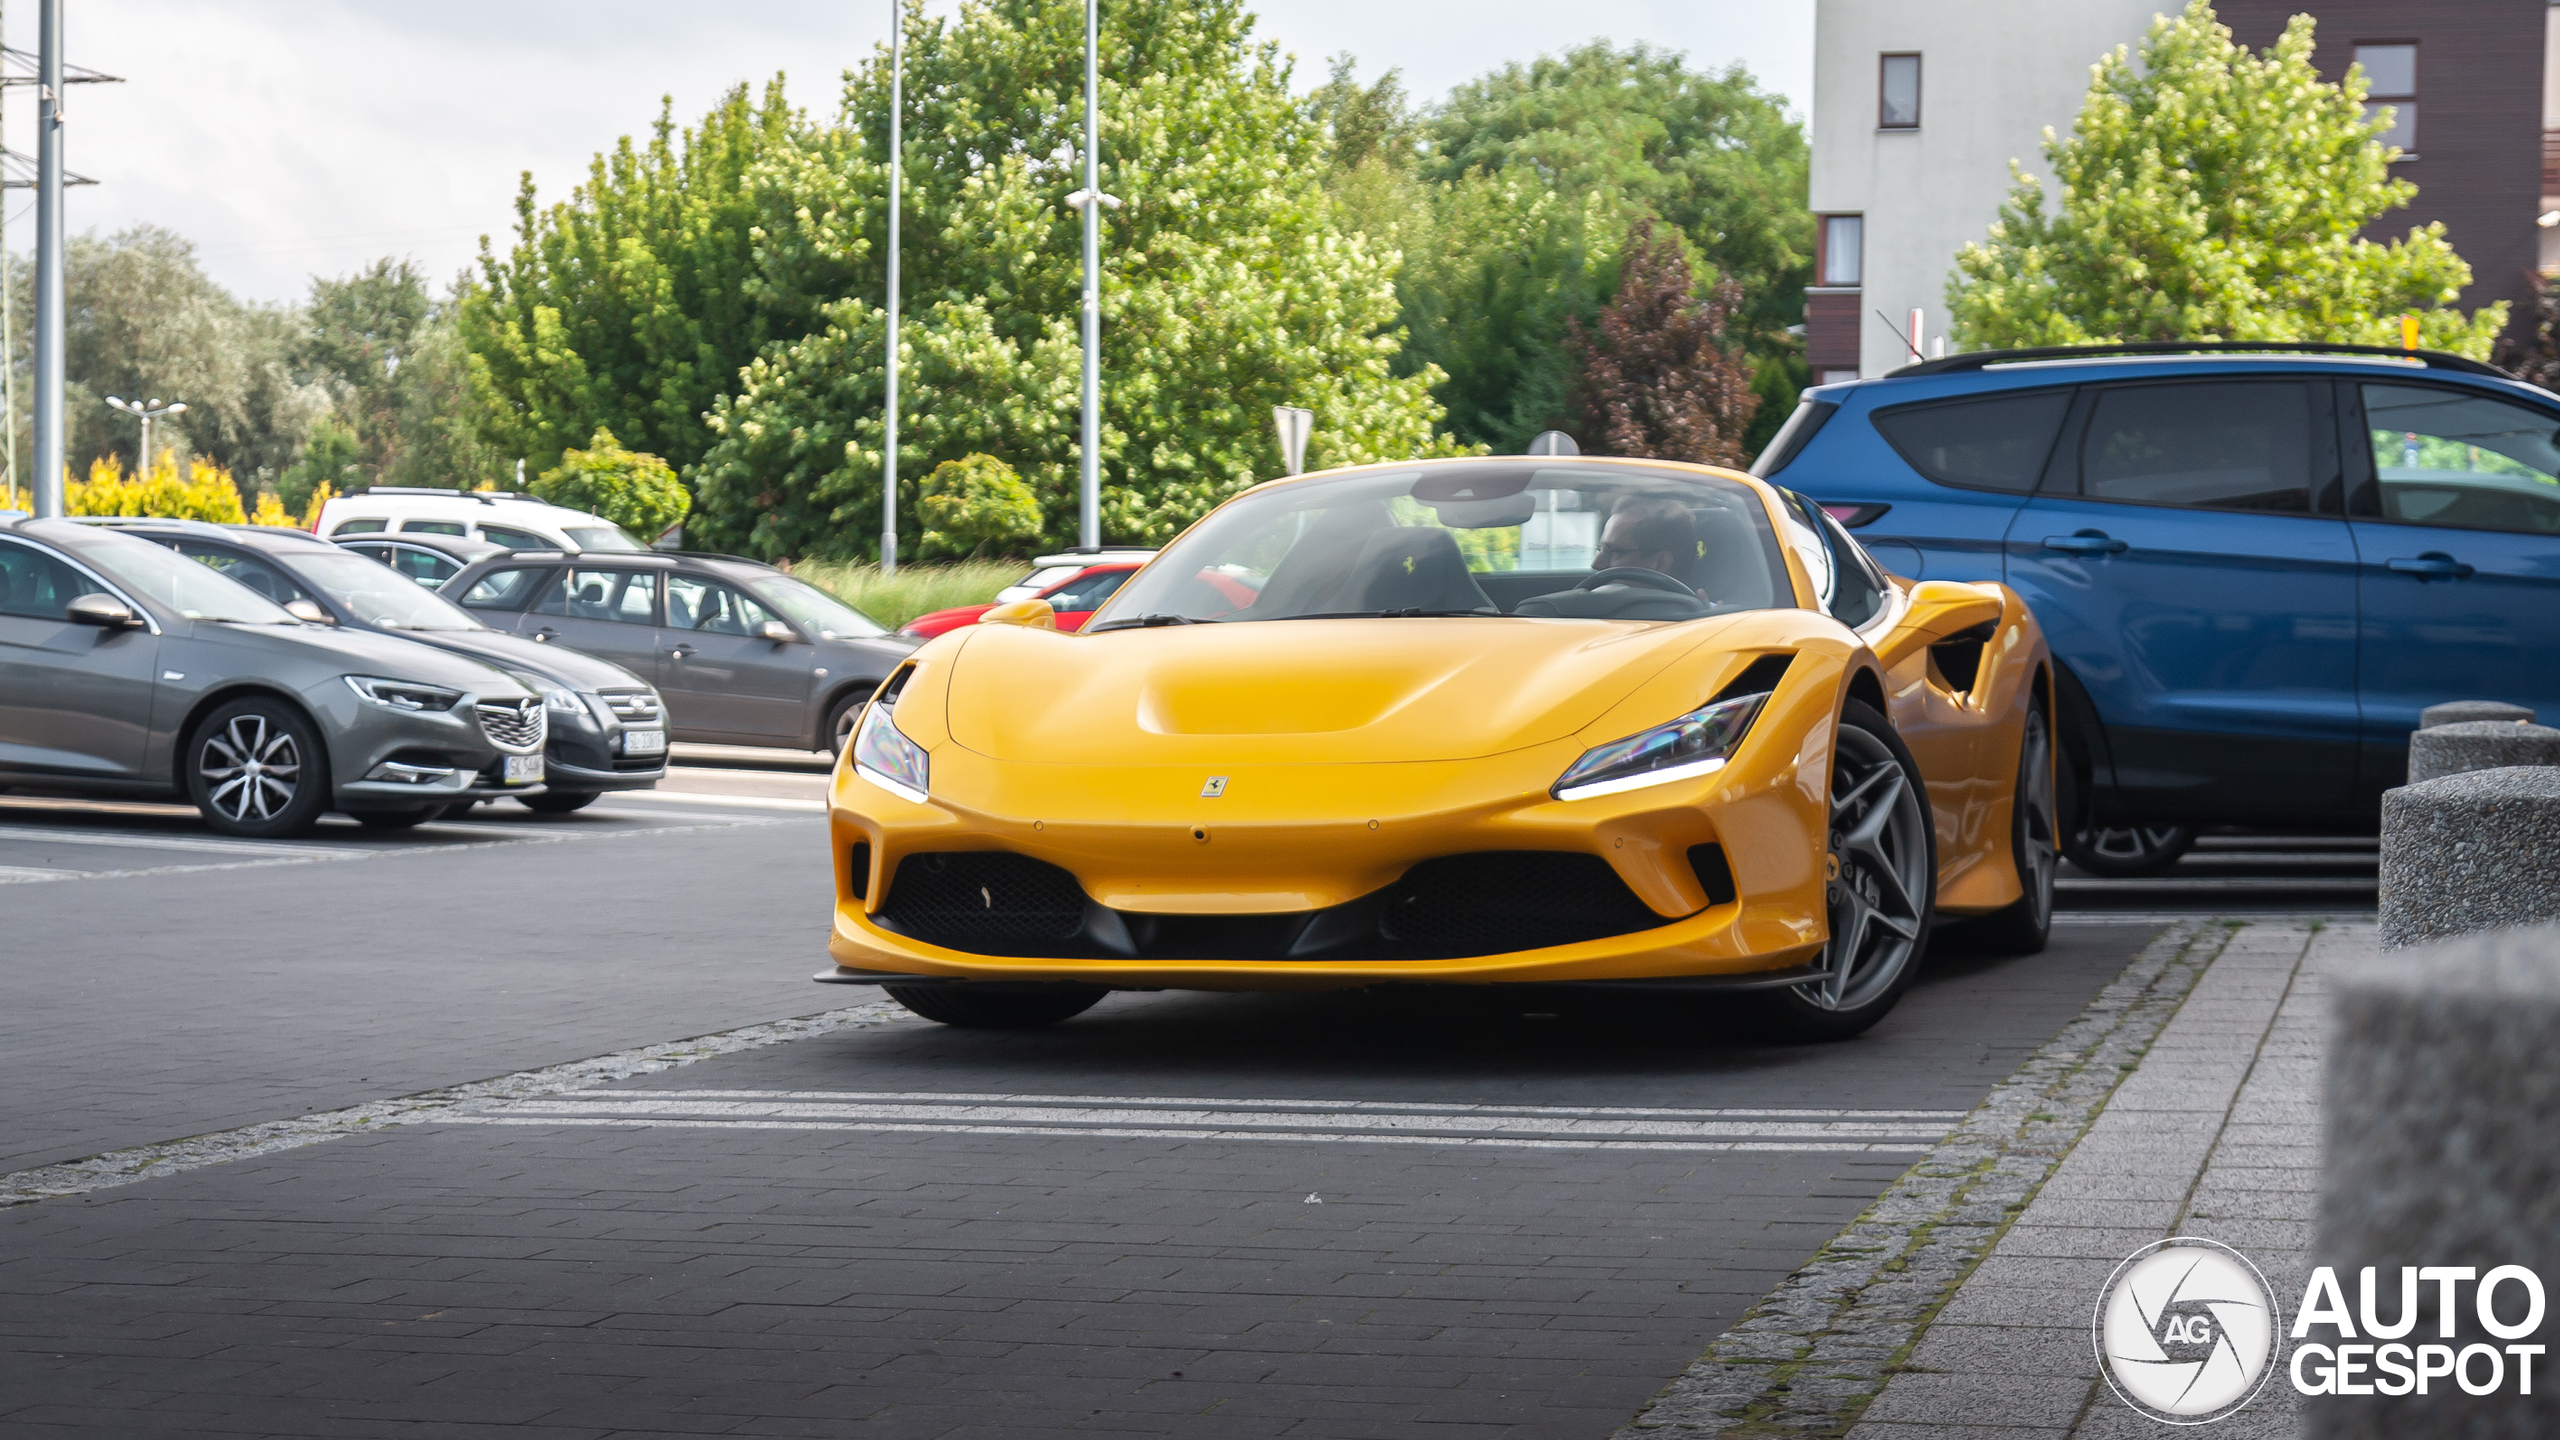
1655,535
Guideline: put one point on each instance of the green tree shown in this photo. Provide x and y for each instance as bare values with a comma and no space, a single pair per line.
331,456
1228,287
638,492
975,505
2209,193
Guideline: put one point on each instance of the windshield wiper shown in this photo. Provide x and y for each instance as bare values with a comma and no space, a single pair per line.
1148,621
1415,614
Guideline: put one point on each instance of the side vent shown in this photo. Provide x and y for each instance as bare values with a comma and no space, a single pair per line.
857,864
1959,656
894,685
1757,678
1709,864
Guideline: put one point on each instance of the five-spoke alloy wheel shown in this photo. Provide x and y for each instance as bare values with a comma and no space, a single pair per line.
2125,851
256,768
2025,927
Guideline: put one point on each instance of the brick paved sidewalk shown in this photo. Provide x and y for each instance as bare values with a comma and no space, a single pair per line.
2214,1135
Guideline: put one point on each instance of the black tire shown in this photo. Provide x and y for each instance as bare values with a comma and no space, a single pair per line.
395,819
1882,856
2125,852
2026,927
558,802
998,1006
255,768
841,718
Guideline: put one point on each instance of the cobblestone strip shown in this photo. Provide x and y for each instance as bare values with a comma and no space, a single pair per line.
1809,1357
168,1157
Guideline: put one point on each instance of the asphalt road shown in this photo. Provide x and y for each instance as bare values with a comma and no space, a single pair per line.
1176,1215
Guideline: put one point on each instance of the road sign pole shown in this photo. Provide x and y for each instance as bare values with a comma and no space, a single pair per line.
1089,527
897,171
48,396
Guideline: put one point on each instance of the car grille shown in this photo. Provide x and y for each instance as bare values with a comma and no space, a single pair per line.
633,707
516,726
1504,900
971,898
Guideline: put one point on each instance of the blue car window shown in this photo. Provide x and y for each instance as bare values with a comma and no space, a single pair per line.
1990,442
2202,444
2463,461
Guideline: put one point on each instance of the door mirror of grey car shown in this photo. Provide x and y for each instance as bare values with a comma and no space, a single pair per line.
104,611
775,631
309,612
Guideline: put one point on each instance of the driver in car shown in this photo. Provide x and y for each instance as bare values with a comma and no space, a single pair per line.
1651,534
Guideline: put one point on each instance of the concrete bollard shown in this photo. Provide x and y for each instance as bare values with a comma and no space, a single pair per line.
2441,750
2477,851
2458,712
2437,1100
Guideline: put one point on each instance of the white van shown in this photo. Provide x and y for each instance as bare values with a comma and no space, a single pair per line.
500,517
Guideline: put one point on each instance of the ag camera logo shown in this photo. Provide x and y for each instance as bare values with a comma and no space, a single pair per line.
2186,1330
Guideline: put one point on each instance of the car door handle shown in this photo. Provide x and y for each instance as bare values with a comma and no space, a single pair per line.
2433,565
681,651
546,633
2087,542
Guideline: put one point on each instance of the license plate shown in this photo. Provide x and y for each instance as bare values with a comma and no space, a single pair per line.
644,742
524,769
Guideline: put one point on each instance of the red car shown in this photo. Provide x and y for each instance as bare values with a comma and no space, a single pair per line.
1075,596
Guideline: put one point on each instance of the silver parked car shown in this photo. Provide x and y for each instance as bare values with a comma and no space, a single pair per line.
125,668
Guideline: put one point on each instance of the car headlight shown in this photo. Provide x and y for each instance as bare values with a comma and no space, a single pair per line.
1697,743
555,699
883,755
403,694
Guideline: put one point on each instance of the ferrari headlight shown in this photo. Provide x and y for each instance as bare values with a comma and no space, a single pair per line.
883,755
1697,743
403,694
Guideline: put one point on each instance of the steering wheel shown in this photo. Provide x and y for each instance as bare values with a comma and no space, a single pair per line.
1635,575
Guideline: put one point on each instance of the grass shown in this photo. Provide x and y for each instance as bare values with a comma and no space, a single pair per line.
893,600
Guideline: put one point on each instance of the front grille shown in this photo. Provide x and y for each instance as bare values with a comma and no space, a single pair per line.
516,726
972,898
1504,900
633,707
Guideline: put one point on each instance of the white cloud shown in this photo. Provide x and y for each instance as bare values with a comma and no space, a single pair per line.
288,137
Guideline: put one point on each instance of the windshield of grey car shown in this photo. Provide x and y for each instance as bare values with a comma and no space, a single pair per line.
168,578
378,595
815,610
1563,540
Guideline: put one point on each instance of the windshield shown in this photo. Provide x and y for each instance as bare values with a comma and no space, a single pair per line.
378,595
815,610
1579,541
168,578
601,537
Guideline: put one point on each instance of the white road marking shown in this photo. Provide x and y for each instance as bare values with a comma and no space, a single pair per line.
276,854
688,797
945,1097
146,840
1130,1133
36,872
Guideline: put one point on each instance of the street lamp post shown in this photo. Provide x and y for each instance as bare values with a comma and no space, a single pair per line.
1092,202
146,411
49,329
889,442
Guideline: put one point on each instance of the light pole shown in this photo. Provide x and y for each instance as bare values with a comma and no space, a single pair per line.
1091,201
48,486
146,411
889,443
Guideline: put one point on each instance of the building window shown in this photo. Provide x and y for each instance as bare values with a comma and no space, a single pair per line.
2391,81
1843,244
1898,93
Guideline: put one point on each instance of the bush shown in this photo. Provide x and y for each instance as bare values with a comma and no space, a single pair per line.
638,492
893,600
206,494
975,505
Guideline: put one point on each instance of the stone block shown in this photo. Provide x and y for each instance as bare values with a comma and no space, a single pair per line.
2471,852
2441,750
2456,712
2440,1087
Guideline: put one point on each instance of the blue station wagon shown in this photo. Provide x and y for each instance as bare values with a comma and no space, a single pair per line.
2256,563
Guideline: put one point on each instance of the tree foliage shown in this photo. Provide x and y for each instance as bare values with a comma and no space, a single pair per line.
205,492
2208,192
1660,376
974,506
636,491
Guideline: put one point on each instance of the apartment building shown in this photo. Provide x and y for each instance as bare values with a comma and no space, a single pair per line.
1920,106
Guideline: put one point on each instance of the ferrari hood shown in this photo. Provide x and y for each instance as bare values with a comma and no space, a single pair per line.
1298,691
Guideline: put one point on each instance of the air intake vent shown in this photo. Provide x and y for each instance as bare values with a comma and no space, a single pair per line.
515,726
1503,900
970,898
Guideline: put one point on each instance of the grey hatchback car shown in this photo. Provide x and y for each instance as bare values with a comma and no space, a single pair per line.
127,669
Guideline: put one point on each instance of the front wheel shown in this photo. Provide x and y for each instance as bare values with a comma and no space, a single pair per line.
2027,926
846,714
1881,886
997,1006
255,768
2129,851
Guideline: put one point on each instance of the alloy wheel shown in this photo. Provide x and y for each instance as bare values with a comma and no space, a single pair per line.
252,768
1878,875
2039,838
2131,844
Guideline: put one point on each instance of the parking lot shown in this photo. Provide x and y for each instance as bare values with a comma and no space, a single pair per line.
1179,1214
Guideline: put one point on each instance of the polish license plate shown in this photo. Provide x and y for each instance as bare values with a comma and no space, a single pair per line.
644,742
524,769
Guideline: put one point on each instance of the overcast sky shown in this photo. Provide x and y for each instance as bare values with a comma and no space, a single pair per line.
292,136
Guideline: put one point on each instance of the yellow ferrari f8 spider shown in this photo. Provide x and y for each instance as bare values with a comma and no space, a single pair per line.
1545,720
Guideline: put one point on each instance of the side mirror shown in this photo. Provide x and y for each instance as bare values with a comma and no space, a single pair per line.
1936,610
1030,614
104,611
309,612
775,631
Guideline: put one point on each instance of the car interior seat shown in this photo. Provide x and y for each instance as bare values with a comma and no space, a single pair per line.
1414,567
